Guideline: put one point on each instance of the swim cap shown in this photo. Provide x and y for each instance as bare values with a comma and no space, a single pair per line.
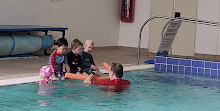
46,71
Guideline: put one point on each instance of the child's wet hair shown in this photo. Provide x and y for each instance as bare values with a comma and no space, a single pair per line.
117,68
76,43
61,42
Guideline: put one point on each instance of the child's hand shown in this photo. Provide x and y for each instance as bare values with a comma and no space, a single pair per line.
63,78
94,67
97,73
79,69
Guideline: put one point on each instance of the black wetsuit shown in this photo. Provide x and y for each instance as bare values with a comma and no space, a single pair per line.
87,61
74,62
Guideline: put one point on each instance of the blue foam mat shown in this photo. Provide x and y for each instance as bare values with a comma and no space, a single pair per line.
150,61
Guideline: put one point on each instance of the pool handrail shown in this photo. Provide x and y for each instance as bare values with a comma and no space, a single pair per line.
190,20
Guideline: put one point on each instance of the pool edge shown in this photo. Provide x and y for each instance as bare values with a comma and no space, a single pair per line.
32,79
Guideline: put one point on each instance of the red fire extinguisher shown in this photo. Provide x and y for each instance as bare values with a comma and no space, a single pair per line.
127,10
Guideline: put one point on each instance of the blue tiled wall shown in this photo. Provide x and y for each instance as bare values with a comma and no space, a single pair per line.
200,68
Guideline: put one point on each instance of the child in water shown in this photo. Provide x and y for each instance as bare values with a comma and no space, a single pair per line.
115,75
45,73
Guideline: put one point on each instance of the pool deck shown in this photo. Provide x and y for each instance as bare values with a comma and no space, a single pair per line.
26,70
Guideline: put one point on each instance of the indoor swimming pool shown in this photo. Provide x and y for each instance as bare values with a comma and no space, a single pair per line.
149,91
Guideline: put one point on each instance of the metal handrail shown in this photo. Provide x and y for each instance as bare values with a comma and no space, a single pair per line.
197,21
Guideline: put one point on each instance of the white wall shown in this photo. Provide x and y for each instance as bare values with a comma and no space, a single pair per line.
184,41
86,19
158,7
207,37
129,32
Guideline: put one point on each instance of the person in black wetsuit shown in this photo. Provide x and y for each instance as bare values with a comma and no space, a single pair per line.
73,57
88,64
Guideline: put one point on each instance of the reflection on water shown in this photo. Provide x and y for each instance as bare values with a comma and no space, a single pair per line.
43,103
114,89
46,89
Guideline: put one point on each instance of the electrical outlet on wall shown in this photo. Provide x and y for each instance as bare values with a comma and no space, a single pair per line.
56,0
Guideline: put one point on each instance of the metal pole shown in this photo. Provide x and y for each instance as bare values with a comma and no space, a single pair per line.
190,20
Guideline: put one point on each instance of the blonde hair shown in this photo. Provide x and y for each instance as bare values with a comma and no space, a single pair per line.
89,42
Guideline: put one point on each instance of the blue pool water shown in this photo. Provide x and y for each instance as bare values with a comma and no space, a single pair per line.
149,91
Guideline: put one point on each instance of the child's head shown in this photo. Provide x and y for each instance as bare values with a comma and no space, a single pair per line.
117,69
61,45
46,71
77,46
88,46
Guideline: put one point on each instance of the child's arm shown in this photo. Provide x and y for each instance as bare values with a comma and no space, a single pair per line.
69,61
85,60
41,76
66,63
67,68
94,67
92,61
51,63
79,64
51,58
88,79
54,77
85,64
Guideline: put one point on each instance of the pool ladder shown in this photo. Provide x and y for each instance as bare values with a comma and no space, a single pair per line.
190,20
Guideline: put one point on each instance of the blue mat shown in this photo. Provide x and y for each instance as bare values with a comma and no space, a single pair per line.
150,61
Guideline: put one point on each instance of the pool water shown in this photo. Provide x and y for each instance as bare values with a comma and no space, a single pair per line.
149,91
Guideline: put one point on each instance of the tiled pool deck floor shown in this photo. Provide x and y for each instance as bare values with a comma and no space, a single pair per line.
19,70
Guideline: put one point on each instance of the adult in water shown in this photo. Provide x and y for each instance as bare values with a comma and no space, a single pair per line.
115,75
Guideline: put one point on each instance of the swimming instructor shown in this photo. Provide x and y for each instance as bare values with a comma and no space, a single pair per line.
115,75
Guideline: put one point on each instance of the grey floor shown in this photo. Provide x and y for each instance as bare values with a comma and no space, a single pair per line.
28,67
